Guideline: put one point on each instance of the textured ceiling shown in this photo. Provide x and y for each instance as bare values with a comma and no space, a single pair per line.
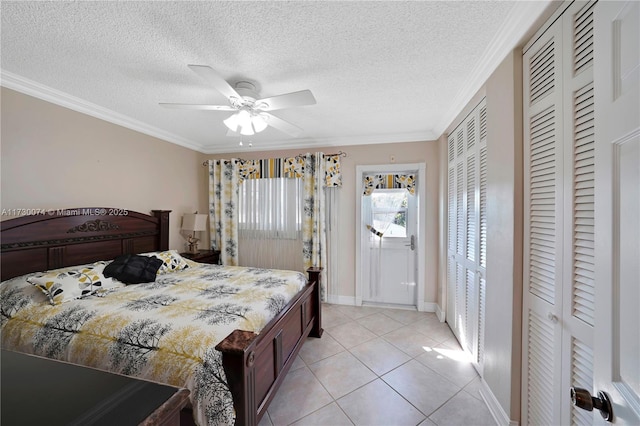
380,71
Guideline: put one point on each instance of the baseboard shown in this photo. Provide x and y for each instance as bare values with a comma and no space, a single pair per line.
428,307
499,415
351,301
341,300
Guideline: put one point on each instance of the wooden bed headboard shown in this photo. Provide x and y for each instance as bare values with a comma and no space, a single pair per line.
68,237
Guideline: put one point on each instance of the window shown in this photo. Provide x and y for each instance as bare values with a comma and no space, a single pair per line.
389,211
270,208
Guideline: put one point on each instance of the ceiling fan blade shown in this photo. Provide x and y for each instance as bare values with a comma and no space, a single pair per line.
288,100
283,126
219,83
199,107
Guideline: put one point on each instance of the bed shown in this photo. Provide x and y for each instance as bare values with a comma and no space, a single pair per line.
248,364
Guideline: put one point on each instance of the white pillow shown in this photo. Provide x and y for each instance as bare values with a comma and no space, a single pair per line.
171,261
65,284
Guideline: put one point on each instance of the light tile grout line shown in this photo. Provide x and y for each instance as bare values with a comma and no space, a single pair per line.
411,358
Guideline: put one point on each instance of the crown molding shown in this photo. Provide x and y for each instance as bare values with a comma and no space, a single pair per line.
325,142
517,24
29,87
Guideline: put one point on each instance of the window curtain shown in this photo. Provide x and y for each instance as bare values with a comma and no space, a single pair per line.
389,181
314,238
317,172
223,208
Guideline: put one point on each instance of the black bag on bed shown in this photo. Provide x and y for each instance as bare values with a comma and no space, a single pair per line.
133,268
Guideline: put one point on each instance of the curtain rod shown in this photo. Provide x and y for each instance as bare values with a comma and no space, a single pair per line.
340,153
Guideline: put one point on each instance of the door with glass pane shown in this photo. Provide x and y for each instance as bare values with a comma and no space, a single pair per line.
389,242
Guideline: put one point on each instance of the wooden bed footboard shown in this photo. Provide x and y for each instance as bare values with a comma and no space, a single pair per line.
256,365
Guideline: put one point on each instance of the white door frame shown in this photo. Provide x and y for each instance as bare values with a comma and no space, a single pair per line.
421,222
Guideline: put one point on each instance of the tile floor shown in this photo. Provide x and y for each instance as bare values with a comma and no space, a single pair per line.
378,366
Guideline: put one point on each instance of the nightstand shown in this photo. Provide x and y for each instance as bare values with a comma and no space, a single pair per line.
203,256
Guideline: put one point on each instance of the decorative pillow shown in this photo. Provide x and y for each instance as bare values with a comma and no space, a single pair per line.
133,269
171,261
63,285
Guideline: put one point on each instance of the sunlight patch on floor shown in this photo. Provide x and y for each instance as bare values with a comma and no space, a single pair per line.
456,355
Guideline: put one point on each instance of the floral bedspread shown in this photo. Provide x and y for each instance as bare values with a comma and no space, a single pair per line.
164,331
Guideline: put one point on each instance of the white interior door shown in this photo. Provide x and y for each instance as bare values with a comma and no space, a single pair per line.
467,231
558,320
389,218
617,206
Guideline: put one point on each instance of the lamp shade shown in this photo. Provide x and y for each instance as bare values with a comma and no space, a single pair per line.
194,222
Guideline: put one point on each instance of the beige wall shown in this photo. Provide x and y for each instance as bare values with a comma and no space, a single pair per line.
503,330
414,152
503,338
53,157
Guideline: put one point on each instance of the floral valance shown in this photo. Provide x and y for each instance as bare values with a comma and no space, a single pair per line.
389,181
289,167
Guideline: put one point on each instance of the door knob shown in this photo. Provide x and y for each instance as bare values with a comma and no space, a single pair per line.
582,398
412,243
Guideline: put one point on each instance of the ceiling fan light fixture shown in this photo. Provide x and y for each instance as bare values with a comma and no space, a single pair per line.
259,122
244,121
232,122
247,130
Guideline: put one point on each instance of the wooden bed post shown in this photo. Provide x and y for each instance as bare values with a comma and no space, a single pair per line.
238,357
163,236
314,275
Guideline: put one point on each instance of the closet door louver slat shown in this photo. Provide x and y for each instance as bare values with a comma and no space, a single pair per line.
482,291
542,204
483,124
460,222
581,376
483,207
542,72
471,211
452,148
470,309
461,311
471,133
452,215
460,143
583,39
583,205
540,372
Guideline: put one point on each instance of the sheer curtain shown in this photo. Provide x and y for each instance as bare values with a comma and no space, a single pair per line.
270,223
332,209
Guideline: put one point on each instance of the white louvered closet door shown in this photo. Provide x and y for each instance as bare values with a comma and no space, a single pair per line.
466,261
559,238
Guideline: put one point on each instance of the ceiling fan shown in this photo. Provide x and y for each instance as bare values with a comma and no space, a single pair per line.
250,111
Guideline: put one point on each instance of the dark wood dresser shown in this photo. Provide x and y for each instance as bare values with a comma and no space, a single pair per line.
40,391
